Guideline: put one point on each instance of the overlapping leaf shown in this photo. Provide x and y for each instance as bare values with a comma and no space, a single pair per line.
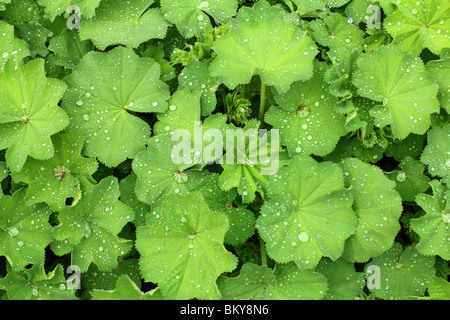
401,86
36,284
306,117
11,48
192,17
436,154
187,232
433,227
420,24
24,231
403,273
89,230
285,282
105,91
378,207
55,180
262,43
29,112
309,213
126,289
129,23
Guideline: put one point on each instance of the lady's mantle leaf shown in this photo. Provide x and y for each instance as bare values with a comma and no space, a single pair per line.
344,283
306,117
336,32
128,196
378,207
410,179
263,43
185,114
124,22
35,284
247,166
54,8
3,174
105,90
24,231
285,282
192,16
402,273
17,49
440,69
433,227
69,49
126,289
53,181
309,213
90,228
29,112
187,232
420,24
436,154
399,82
196,77
439,289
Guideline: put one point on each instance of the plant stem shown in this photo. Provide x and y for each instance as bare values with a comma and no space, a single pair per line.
263,251
262,102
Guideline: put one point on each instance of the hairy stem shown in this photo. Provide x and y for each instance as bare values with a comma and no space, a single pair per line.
263,251
262,102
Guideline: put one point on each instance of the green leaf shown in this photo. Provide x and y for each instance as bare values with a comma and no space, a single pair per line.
306,117
412,146
29,24
3,174
243,167
410,180
24,231
285,282
91,227
309,213
185,111
192,17
439,289
378,207
400,83
263,43
436,154
433,227
69,49
403,273
53,181
439,69
420,24
158,175
336,32
29,112
12,48
196,77
36,284
129,23
187,231
95,279
126,289
344,283
55,8
101,102
128,196
242,221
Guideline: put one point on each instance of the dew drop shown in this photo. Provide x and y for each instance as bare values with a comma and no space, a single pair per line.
401,176
13,232
303,236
